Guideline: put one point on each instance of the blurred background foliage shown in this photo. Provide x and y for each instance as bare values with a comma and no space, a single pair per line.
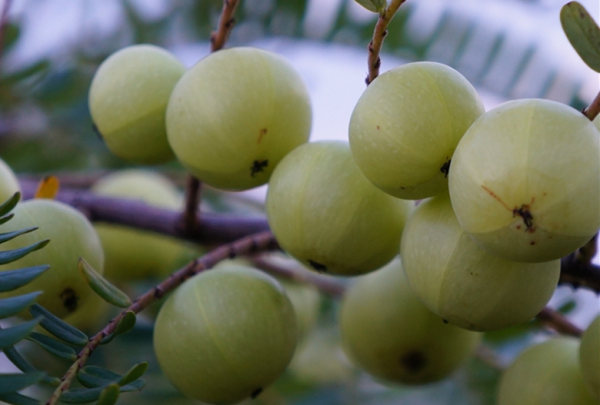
511,49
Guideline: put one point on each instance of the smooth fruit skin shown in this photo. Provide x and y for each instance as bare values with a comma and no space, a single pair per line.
71,236
225,334
135,254
328,216
128,99
390,334
235,114
9,184
406,125
545,374
306,300
589,357
525,180
465,284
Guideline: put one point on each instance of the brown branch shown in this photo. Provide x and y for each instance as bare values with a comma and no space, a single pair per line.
226,22
594,109
190,218
4,24
374,61
249,245
558,322
216,228
579,273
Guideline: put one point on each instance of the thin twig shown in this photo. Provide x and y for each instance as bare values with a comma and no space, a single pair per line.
374,61
577,270
594,109
4,24
558,322
249,245
226,22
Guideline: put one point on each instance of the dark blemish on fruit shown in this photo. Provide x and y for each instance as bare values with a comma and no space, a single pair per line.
258,167
532,243
321,268
524,213
495,196
69,299
261,133
446,168
445,321
518,226
256,393
402,188
378,127
414,361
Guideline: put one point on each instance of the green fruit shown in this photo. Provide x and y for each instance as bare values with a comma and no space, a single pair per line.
134,254
128,99
391,335
589,357
225,334
465,284
71,236
514,185
9,184
406,125
327,215
306,300
545,374
235,114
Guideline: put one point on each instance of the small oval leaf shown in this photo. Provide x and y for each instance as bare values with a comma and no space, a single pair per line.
102,287
53,346
11,235
126,323
9,256
583,33
15,398
15,382
81,395
102,373
134,373
13,279
14,305
9,204
6,218
47,187
11,336
58,327
22,364
109,395
376,6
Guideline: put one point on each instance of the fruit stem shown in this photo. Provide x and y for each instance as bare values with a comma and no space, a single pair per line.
558,322
4,23
249,245
190,218
593,109
374,61
226,22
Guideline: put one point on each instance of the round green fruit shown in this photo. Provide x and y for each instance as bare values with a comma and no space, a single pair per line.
389,333
545,374
128,99
235,114
525,180
71,236
589,357
225,334
465,284
306,300
134,254
327,215
9,184
406,125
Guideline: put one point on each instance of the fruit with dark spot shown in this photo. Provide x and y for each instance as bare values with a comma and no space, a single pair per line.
465,284
71,236
547,373
406,125
513,180
225,334
128,99
390,334
328,216
235,114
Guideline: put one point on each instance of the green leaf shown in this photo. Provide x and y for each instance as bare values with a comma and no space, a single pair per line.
24,366
12,33
15,382
11,255
9,204
14,305
11,336
18,399
102,287
11,235
6,218
376,6
109,395
80,395
53,346
583,33
134,373
101,373
126,323
13,279
58,327
39,68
